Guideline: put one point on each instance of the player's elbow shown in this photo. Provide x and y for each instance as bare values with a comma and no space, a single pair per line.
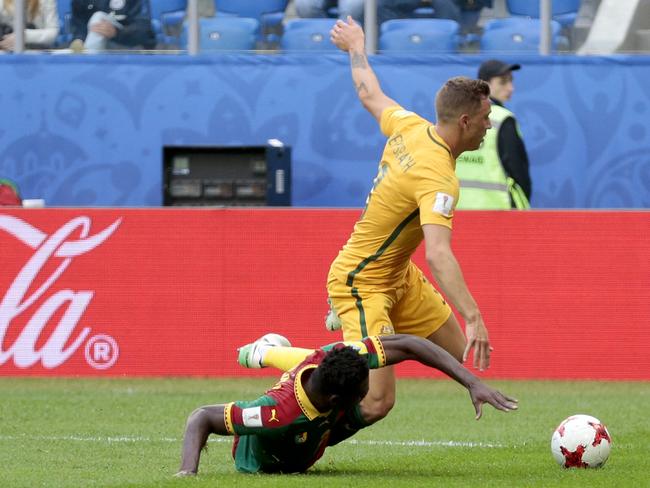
377,410
369,103
375,102
367,98
197,419
436,256
375,407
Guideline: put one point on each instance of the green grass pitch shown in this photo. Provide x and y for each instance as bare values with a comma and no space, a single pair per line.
127,432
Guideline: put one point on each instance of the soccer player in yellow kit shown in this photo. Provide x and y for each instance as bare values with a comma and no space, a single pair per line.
373,286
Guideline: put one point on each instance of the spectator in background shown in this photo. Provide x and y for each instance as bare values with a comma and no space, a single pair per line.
496,176
98,25
319,8
42,24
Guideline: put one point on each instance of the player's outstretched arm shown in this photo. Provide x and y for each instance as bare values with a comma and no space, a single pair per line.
348,36
445,268
200,424
402,347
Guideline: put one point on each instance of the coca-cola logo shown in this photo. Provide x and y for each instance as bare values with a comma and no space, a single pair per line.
70,241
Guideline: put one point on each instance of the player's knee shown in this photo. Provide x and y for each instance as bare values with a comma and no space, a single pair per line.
375,409
453,345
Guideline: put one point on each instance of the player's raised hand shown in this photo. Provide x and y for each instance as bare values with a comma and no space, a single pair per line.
347,35
477,339
481,393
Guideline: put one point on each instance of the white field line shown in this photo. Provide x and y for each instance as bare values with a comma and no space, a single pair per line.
138,439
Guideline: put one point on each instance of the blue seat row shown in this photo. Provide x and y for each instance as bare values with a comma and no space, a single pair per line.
403,35
243,25
562,11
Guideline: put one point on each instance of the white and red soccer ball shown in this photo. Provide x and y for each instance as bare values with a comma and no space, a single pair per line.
581,441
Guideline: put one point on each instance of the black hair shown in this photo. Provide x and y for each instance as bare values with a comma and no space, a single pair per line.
342,371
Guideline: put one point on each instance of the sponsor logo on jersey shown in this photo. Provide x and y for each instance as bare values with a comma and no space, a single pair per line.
274,416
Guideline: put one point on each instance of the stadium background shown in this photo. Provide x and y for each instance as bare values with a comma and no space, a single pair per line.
105,282
89,131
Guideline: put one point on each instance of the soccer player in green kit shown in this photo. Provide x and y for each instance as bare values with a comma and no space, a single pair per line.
287,429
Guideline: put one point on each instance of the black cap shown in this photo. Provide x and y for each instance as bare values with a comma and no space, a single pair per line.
493,67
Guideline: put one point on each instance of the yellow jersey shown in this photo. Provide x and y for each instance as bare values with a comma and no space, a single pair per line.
416,184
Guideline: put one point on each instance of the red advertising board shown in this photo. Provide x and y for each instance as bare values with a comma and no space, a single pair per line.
175,291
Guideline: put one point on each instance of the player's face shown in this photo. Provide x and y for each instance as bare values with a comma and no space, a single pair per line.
478,124
363,389
501,87
356,397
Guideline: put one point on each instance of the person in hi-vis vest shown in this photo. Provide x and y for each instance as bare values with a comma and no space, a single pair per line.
496,176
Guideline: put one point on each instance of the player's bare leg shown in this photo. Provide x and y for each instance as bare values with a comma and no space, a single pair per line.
450,337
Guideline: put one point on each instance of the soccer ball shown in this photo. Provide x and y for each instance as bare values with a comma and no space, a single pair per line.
581,441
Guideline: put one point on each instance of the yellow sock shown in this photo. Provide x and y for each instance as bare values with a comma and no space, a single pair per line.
285,358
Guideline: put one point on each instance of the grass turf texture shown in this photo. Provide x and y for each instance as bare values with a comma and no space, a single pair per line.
125,432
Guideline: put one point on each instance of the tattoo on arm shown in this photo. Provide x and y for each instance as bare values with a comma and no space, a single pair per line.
358,60
361,87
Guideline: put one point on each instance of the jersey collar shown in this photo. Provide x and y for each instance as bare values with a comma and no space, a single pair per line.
433,135
304,402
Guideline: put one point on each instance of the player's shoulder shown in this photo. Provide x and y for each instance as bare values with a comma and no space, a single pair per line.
398,116
401,114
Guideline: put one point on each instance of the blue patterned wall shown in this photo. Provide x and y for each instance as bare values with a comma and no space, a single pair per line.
89,130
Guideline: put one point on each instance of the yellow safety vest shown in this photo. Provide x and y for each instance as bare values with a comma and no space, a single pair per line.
484,184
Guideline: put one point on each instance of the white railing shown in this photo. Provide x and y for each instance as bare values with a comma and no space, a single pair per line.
19,26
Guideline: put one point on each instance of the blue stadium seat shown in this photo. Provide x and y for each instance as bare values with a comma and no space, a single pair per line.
256,9
431,35
516,34
308,35
468,18
269,13
166,16
225,34
562,11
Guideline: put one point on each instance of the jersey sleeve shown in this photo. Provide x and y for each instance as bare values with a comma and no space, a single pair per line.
394,119
436,196
254,417
375,352
369,347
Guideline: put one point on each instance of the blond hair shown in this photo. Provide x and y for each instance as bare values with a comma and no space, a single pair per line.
460,95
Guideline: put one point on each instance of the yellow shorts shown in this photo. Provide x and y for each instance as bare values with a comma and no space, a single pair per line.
413,307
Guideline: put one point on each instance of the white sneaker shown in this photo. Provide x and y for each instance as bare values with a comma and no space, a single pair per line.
251,355
332,320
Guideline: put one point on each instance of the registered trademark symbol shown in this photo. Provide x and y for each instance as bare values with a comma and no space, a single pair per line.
101,351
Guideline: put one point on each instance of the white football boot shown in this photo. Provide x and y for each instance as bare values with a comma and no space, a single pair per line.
251,355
